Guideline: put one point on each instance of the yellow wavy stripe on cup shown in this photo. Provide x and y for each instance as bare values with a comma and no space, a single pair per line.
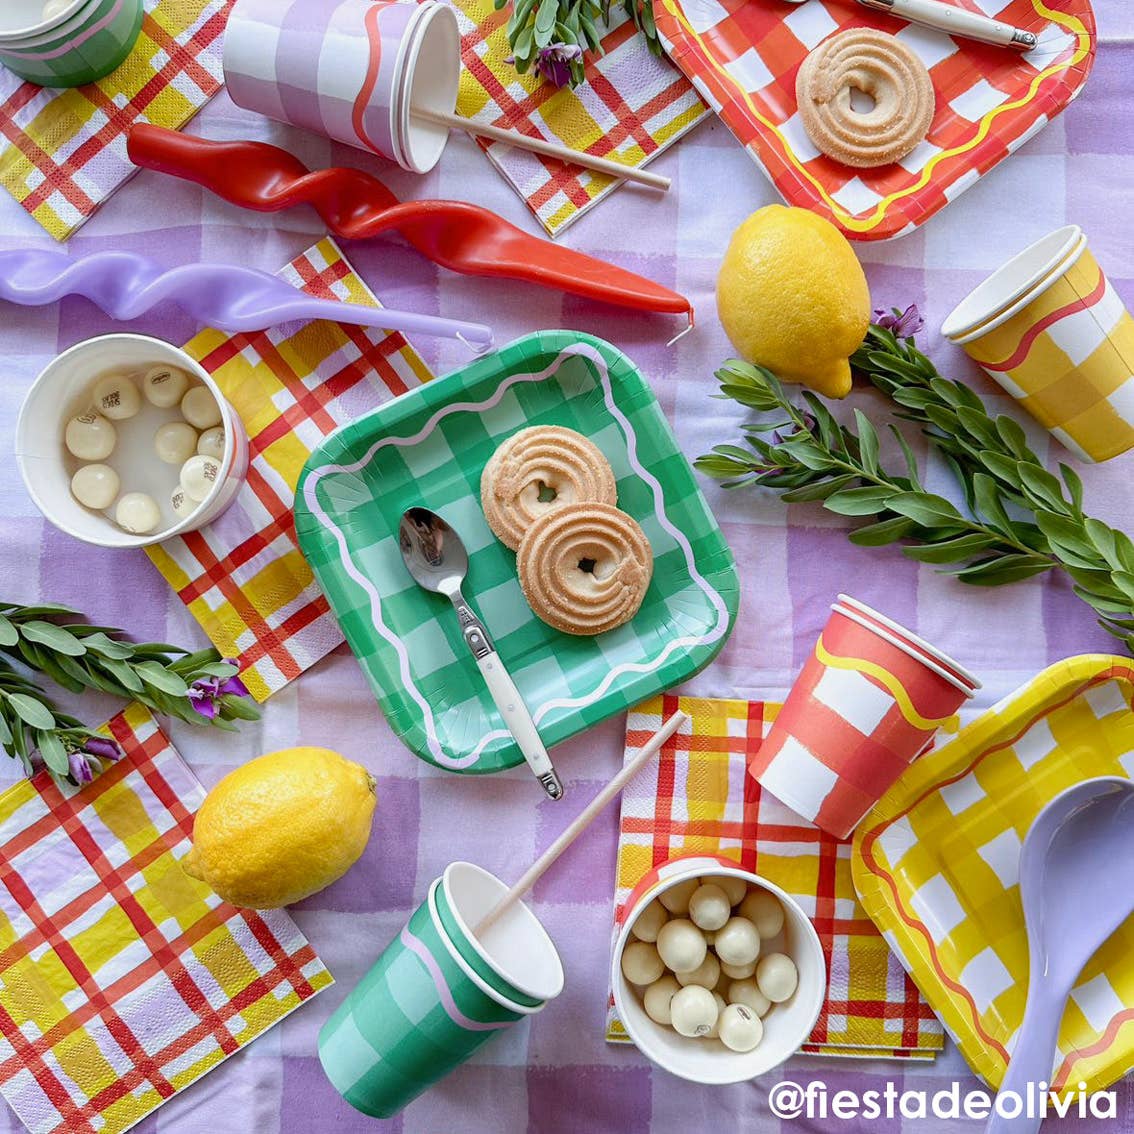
889,682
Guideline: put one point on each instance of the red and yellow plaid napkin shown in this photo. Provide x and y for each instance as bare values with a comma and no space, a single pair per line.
123,980
64,151
632,106
242,576
701,801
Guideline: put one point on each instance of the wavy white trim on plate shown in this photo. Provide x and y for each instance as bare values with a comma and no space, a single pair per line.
585,351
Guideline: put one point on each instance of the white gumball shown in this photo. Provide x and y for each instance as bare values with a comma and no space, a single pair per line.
165,386
137,513
200,408
709,907
95,486
90,436
211,443
693,1011
738,972
198,475
734,888
656,999
115,396
737,942
764,911
676,898
748,993
181,504
722,1004
777,977
175,442
649,922
641,963
707,973
739,1028
681,945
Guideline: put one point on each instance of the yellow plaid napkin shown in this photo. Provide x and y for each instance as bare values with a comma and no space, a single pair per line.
701,800
123,980
242,576
65,150
632,106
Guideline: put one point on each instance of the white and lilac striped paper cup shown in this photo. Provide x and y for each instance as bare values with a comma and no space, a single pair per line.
352,70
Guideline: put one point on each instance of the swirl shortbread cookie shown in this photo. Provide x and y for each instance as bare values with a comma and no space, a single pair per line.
539,470
883,68
585,568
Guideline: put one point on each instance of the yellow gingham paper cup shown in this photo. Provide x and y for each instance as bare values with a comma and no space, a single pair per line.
1049,327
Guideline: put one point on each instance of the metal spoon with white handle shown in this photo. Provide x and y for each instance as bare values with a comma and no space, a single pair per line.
436,558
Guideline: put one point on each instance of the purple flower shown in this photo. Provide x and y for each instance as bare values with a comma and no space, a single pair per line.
80,768
101,747
904,324
553,62
203,693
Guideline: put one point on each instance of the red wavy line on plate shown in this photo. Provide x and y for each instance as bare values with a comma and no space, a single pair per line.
1100,1045
1052,317
354,205
885,876
358,113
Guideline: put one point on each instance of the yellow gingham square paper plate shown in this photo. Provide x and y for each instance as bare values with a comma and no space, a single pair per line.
936,865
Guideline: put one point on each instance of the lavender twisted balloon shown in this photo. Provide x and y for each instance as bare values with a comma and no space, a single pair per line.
225,296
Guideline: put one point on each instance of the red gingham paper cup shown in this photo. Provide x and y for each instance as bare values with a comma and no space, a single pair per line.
869,699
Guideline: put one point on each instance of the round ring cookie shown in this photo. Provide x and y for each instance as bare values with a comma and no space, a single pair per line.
881,67
538,470
585,568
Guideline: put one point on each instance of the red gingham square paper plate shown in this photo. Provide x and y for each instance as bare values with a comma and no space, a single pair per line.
743,56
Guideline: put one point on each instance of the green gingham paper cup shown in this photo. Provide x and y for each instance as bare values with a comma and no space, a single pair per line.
80,43
421,1010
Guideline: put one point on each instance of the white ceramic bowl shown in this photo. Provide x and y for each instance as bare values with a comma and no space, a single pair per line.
786,1026
63,389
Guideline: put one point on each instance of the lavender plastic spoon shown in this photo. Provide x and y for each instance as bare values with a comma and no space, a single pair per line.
1077,889
225,296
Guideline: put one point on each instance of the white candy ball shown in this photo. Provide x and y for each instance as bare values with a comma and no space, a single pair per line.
641,963
777,977
738,972
709,907
681,945
693,1011
707,973
95,486
721,1006
181,504
165,386
90,437
175,442
200,408
648,922
198,475
764,911
737,942
211,443
734,888
747,992
656,999
116,397
137,513
739,1028
676,899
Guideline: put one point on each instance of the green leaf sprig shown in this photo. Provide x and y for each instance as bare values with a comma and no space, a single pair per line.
807,455
196,687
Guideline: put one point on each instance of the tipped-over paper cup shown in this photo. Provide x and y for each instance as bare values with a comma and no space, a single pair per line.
867,702
437,994
1049,327
353,70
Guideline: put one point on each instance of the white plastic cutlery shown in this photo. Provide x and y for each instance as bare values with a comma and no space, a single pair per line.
954,20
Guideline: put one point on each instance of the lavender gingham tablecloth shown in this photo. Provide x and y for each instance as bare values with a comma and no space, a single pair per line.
556,1073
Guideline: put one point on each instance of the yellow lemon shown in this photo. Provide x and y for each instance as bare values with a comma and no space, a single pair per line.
282,827
792,297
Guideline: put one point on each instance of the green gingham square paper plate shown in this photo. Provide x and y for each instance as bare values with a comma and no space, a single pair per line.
428,447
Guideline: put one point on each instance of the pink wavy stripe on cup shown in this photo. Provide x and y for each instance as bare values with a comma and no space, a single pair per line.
78,40
374,34
418,948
